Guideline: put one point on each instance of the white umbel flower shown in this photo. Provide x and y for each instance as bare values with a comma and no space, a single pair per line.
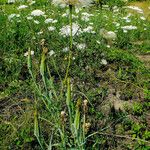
22,7
83,3
81,46
48,20
27,53
51,28
137,9
130,27
11,1
104,62
65,30
51,53
11,16
37,12
89,29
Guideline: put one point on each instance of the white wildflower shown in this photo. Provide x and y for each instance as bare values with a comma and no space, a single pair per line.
130,27
27,53
104,62
89,29
37,13
81,46
142,18
72,2
11,1
66,49
54,21
65,30
11,16
77,10
51,53
51,28
65,15
39,33
31,2
22,7
48,20
85,18
137,9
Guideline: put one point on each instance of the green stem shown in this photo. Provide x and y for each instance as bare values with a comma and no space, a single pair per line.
71,42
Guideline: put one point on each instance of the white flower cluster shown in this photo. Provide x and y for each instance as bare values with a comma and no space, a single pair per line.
65,31
88,29
11,16
104,62
51,28
22,7
81,46
81,3
127,19
86,16
130,27
27,53
11,1
137,9
37,12
50,20
76,30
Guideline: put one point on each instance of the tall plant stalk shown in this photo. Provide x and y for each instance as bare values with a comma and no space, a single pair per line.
71,42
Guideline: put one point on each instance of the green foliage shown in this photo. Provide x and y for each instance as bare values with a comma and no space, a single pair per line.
97,73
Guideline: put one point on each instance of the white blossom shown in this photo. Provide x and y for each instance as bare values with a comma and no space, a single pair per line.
51,28
81,46
27,53
48,20
31,2
66,49
137,9
22,7
11,16
65,15
11,1
65,30
142,18
72,2
37,12
51,53
88,29
104,62
54,21
130,27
